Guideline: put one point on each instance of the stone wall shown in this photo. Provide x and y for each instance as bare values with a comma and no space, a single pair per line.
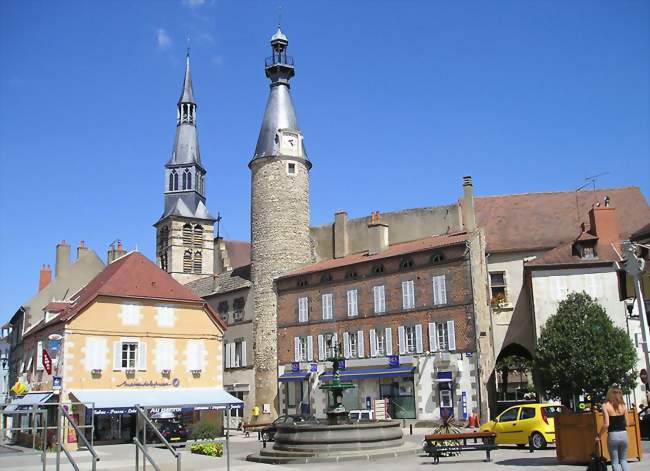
280,241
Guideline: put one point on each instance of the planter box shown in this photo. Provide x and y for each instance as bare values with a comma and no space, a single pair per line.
575,433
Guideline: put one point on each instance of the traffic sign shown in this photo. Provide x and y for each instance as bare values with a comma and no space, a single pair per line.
47,362
644,376
56,383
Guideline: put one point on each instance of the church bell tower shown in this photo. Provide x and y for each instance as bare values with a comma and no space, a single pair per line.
279,214
184,232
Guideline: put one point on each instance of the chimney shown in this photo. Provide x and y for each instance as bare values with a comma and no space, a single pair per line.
62,258
340,234
604,224
221,257
44,277
115,253
82,249
377,234
469,217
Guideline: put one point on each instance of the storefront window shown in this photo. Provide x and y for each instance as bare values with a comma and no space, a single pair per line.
400,395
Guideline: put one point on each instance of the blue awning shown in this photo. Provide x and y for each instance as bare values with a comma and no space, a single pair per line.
293,376
28,401
368,373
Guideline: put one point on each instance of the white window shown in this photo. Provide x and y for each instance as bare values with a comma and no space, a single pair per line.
129,355
300,347
379,296
379,342
165,354
194,355
408,294
327,305
291,168
409,335
331,346
445,398
303,309
352,303
95,353
165,316
439,290
445,336
498,288
354,345
130,314
236,354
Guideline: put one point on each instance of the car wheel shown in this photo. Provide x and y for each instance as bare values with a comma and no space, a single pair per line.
266,436
539,442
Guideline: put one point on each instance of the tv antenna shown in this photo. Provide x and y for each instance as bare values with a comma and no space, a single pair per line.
588,181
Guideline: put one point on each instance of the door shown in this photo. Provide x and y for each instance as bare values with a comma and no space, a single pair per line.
507,427
526,424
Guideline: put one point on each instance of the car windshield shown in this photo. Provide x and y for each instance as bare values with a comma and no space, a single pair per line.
280,420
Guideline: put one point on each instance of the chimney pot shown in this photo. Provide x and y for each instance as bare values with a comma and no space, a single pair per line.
377,235
468,214
44,277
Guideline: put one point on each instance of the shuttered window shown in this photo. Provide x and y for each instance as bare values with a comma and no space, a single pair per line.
198,236
198,262
439,290
408,294
379,297
187,235
352,303
327,305
187,261
303,309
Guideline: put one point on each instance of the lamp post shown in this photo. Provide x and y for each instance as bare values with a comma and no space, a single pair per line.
635,266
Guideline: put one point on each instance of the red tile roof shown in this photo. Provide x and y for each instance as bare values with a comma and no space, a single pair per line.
545,220
563,255
393,250
57,306
132,276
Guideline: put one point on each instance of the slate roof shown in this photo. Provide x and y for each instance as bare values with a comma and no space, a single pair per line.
226,282
401,248
642,233
546,220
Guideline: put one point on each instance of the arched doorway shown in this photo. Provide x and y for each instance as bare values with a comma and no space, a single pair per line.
514,378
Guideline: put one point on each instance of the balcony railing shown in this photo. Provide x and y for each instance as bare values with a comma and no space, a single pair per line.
278,59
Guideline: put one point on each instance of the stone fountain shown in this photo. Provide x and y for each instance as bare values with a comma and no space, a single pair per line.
337,438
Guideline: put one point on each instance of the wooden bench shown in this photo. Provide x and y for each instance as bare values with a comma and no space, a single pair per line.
435,447
248,428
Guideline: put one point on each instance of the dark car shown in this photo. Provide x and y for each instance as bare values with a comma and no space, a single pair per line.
644,423
268,433
173,431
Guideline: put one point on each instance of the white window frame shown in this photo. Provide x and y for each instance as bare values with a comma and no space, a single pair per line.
409,337
353,346
353,310
303,309
380,345
439,290
127,359
408,294
379,298
442,336
327,301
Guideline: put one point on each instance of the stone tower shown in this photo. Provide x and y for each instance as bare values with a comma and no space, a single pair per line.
184,233
279,214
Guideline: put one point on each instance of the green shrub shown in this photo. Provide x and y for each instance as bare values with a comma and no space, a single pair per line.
204,430
208,449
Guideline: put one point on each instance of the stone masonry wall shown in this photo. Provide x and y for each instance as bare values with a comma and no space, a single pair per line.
279,242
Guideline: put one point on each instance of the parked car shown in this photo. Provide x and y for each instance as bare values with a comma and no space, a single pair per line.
172,430
644,422
518,424
359,415
268,433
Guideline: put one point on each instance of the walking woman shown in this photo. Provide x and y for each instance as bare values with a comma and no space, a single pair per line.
616,427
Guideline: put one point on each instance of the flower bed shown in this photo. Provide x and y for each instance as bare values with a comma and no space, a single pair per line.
208,449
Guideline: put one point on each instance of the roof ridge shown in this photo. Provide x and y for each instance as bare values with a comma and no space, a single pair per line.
627,187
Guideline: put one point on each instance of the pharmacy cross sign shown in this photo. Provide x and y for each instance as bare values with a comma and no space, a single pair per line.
47,362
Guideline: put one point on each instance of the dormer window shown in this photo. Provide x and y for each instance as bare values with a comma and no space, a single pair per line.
326,278
378,269
302,283
351,275
586,251
406,263
437,257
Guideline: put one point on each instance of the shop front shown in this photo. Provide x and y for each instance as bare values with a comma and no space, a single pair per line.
115,412
294,389
395,384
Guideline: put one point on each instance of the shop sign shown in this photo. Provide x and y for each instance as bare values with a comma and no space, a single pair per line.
393,361
149,384
314,368
469,354
56,383
341,364
53,345
47,362
295,366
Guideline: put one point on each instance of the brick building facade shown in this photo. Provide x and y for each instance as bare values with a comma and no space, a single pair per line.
409,304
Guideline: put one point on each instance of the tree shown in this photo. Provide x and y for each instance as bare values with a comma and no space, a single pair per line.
512,364
581,351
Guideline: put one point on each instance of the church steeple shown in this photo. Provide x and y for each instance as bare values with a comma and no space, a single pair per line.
185,228
279,115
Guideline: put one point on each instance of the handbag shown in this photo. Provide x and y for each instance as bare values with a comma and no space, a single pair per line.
598,463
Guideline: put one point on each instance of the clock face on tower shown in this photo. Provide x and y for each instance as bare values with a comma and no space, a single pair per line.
290,144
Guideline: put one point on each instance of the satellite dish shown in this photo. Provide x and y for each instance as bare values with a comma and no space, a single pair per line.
55,337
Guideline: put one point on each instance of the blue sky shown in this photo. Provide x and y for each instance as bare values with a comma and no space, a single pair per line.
397,101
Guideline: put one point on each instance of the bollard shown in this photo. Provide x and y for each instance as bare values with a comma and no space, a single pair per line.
530,444
410,429
263,443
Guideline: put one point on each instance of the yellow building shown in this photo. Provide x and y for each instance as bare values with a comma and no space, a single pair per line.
134,335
